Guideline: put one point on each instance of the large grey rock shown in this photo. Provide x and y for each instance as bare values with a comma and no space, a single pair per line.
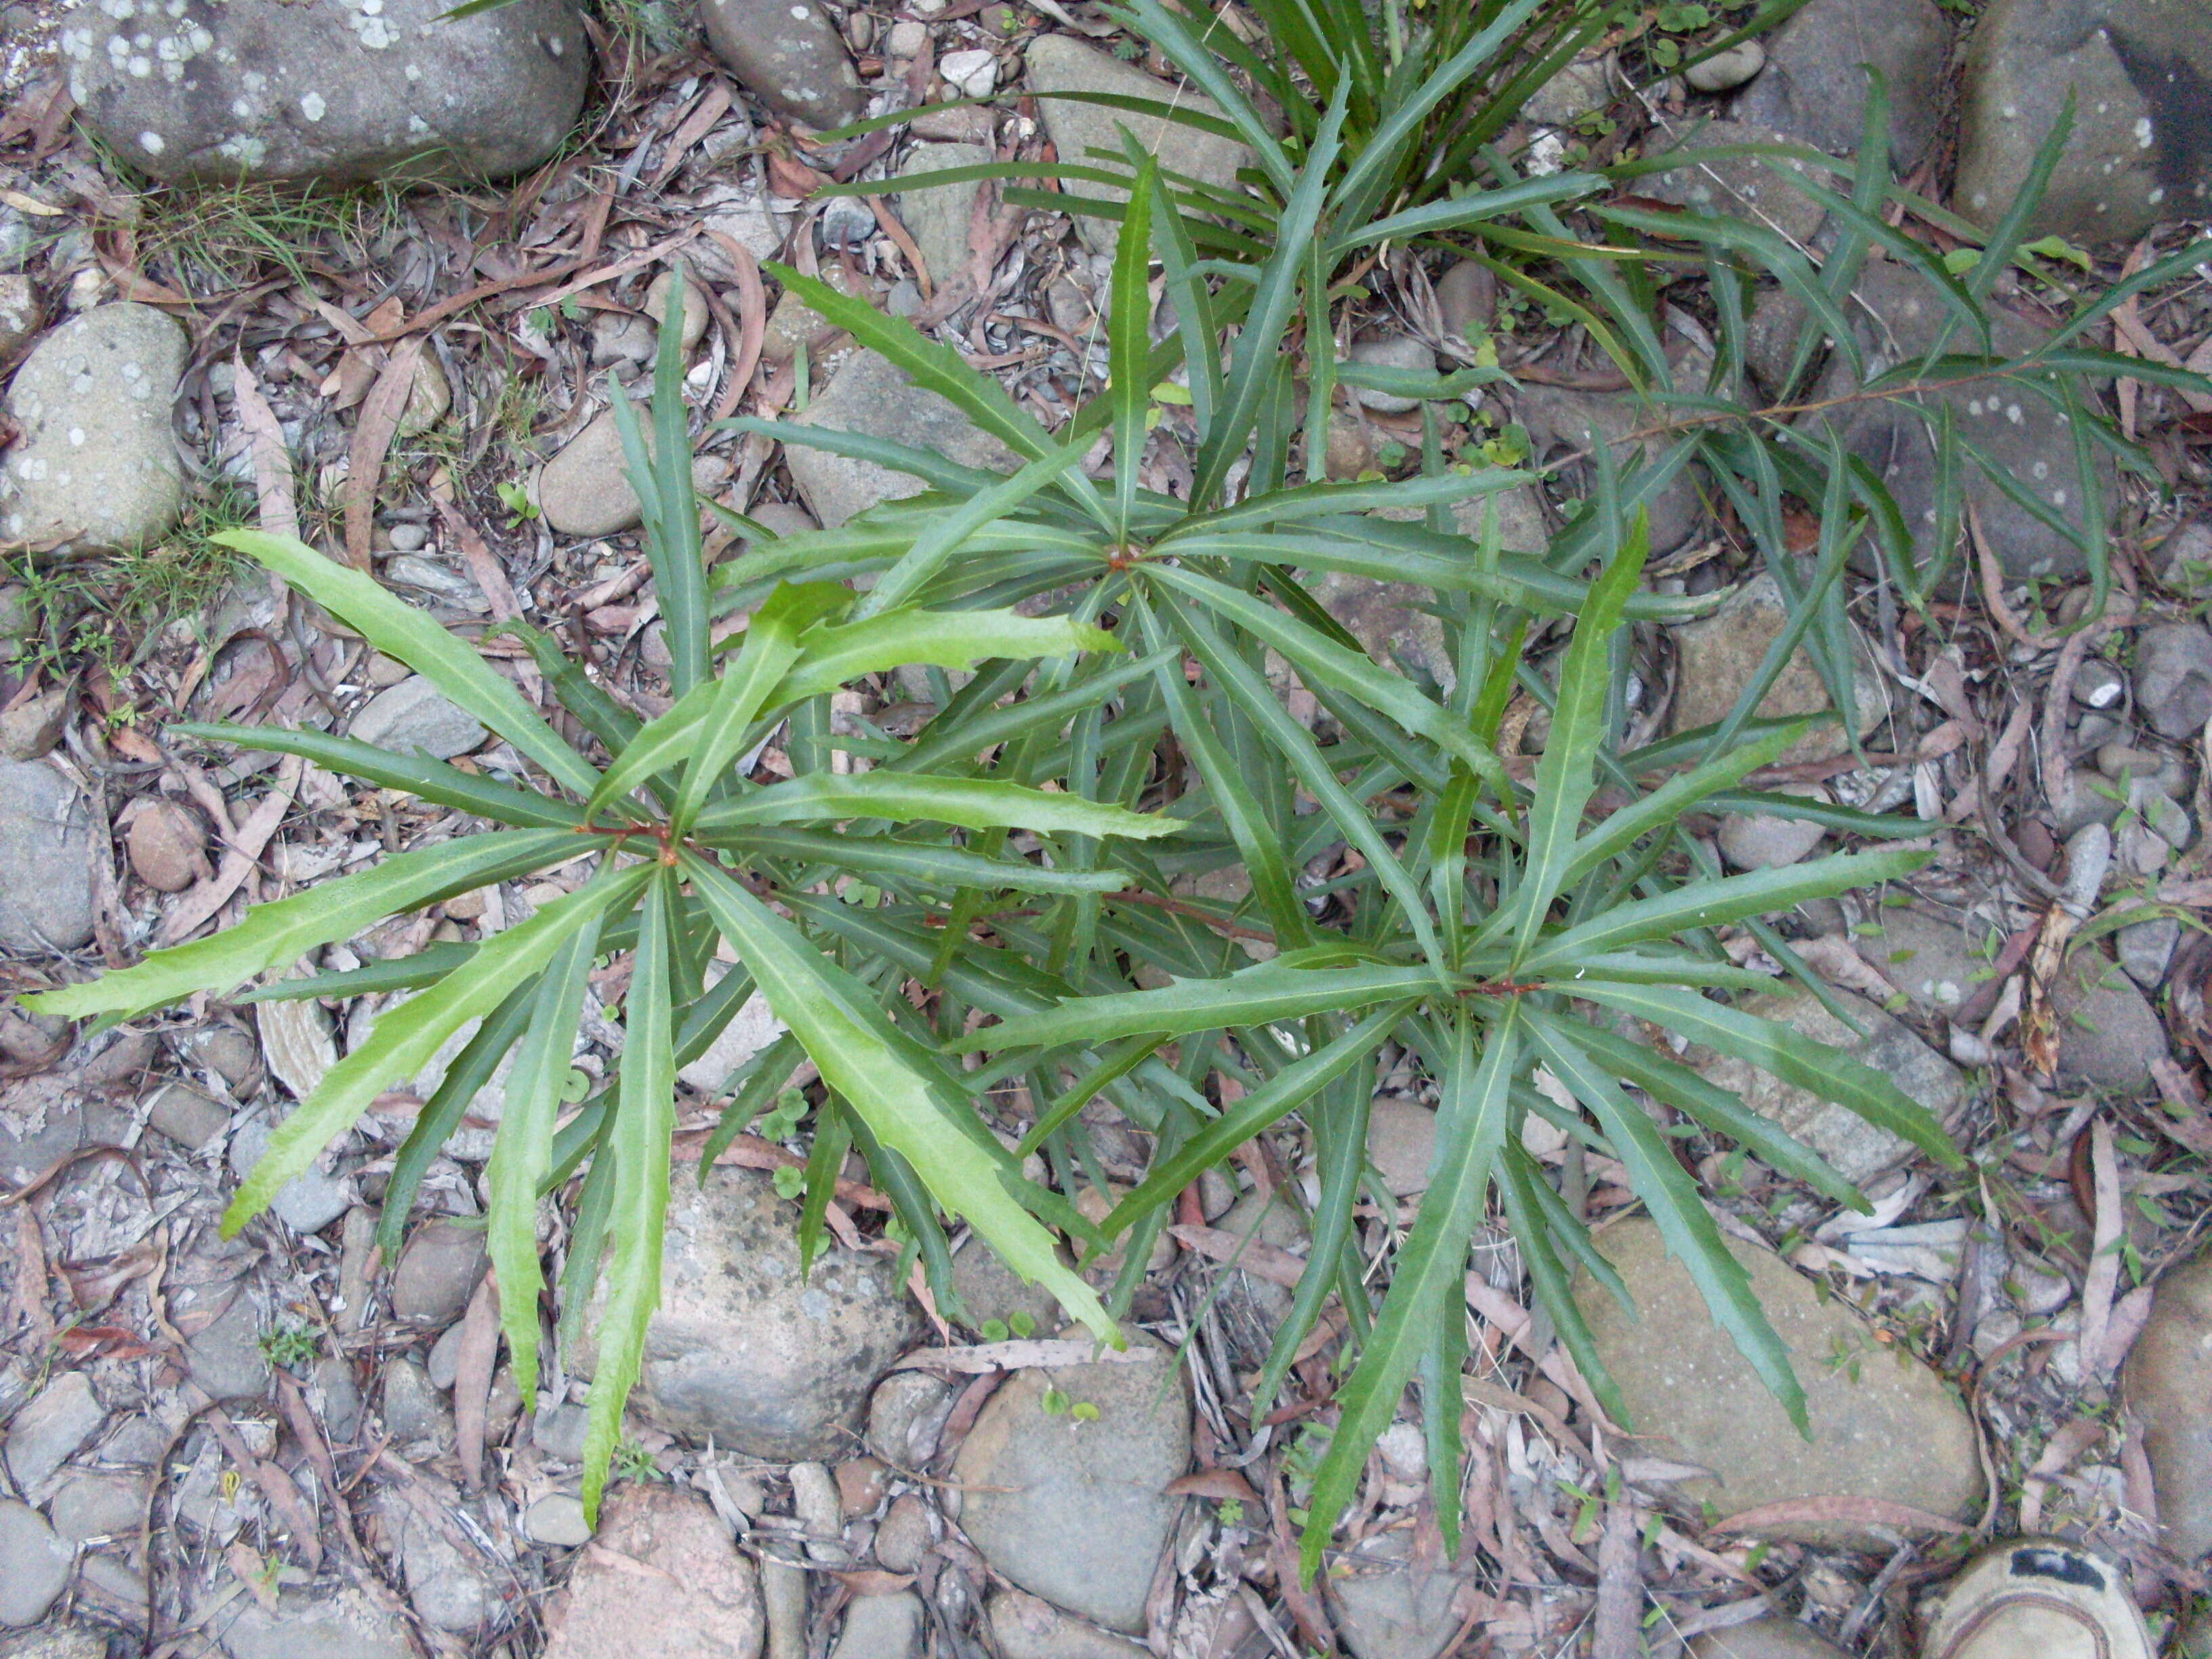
937,214
751,1029
337,91
1402,1143
415,716
1739,186
324,1623
989,1288
47,1433
2141,74
1897,318
2167,1382
869,395
1767,841
705,1603
742,1348
1883,1425
1078,1511
789,56
1814,89
1561,419
34,1565
1060,63
46,859
1717,656
415,1413
103,1505
96,467
1858,1148
1390,1607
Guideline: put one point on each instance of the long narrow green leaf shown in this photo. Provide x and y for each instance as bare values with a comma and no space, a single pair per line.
406,1038
637,1140
858,1052
1266,990
399,630
1567,774
839,653
1676,1207
1282,1094
523,1152
970,802
275,936
743,689
1709,903
1428,1280
1128,338
1788,1054
432,780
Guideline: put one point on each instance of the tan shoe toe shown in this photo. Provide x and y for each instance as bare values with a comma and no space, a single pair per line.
2037,1598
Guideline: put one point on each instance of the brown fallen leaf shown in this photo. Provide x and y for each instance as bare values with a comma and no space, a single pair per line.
380,413
1277,1267
479,1347
1225,1486
205,898
272,461
873,1581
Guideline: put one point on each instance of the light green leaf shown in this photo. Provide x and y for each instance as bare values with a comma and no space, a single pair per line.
406,1038
970,802
275,936
1567,774
1266,990
522,1153
431,780
856,1049
745,686
837,656
638,1141
399,630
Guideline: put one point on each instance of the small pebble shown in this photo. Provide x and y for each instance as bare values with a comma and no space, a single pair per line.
973,72
1724,71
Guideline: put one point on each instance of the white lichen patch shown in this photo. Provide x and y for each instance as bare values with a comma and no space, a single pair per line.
151,142
313,106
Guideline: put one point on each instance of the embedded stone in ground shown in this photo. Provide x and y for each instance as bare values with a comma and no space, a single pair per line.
1390,1607
47,1433
438,1270
2140,72
95,469
742,1349
1059,62
2166,1383
1077,1511
414,716
311,1200
337,91
1027,1628
871,396
46,859
1739,186
34,1565
1814,89
1884,1425
1717,656
1896,317
789,56
1858,1148
322,1624
2108,1033
704,1601
937,214
1939,963
1766,1639
881,1627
